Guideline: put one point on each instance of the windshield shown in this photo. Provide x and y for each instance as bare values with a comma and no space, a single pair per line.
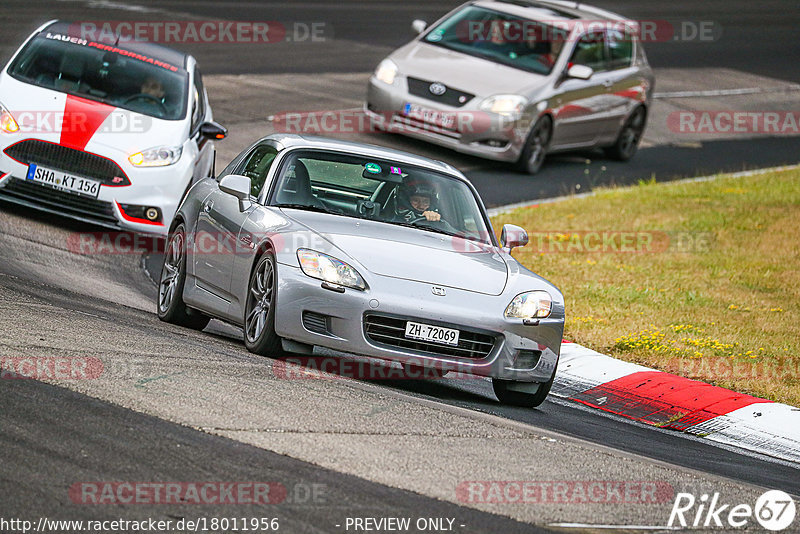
85,69
379,190
524,44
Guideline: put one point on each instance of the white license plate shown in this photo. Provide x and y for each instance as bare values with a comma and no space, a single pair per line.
442,119
434,334
63,181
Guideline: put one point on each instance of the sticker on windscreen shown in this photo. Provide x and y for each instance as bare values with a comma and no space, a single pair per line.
372,168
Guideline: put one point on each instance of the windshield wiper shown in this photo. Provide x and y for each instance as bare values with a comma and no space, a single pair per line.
306,207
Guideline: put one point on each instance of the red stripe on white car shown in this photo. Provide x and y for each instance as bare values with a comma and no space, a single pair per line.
81,120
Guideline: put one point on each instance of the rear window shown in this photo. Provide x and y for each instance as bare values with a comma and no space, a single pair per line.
103,73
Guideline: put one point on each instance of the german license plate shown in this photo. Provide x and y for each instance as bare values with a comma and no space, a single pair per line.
63,181
433,334
443,119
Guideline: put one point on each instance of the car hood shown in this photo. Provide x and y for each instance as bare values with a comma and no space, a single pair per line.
81,123
462,71
408,253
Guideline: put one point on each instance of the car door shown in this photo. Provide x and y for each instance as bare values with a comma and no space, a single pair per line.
579,105
626,87
201,113
219,222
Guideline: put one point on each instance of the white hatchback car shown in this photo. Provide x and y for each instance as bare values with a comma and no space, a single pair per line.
109,133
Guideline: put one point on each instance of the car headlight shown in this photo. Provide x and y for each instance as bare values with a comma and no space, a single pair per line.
530,305
156,157
386,71
318,265
7,122
510,106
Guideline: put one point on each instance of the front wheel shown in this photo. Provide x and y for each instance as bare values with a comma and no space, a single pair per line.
259,318
535,149
171,307
525,394
627,142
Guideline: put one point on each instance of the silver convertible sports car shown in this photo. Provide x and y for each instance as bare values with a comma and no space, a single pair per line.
309,242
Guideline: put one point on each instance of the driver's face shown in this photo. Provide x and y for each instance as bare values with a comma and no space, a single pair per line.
152,87
420,202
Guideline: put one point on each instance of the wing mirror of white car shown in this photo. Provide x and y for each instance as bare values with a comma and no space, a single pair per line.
238,186
419,26
581,72
513,236
212,130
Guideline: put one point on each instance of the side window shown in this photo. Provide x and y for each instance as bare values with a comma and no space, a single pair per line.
257,166
590,51
198,101
620,49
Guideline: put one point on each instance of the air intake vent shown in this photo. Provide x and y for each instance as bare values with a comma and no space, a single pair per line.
317,323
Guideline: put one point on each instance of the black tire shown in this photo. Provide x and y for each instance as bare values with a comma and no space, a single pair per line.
170,305
535,150
506,395
259,312
627,143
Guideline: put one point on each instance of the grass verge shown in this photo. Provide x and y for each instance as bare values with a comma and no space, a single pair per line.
699,279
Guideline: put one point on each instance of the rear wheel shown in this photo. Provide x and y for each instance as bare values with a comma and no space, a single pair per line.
627,142
525,394
259,318
171,307
535,149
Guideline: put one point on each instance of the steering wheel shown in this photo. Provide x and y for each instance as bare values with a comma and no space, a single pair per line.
151,98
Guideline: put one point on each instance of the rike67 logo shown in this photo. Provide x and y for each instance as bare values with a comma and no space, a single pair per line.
774,510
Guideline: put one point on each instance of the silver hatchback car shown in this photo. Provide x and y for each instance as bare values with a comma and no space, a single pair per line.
515,80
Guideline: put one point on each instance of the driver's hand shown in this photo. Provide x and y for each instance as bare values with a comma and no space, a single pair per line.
432,215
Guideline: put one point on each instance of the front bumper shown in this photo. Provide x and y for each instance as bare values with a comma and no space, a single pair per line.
521,353
115,206
476,132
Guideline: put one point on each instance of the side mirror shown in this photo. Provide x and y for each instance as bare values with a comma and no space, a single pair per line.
419,26
513,236
213,131
238,186
581,72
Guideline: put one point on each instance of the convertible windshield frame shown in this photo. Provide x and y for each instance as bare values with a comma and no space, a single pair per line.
116,81
483,233
469,49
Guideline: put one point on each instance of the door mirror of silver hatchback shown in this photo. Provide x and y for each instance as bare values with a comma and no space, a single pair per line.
581,72
513,236
419,26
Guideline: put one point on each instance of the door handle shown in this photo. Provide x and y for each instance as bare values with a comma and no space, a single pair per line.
207,205
608,83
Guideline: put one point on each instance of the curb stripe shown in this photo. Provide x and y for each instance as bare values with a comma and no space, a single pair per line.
664,400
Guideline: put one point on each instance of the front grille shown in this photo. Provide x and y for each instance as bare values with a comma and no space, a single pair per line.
316,322
68,160
66,203
387,330
451,97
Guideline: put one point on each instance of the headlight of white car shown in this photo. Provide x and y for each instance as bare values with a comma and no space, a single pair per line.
318,265
386,71
7,122
156,157
530,305
510,106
